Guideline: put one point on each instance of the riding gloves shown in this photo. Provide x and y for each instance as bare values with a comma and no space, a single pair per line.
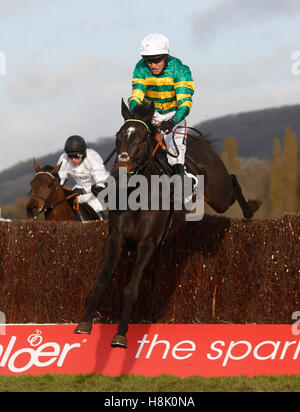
96,189
79,191
167,126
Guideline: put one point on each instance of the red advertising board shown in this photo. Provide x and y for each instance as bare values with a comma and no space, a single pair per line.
181,350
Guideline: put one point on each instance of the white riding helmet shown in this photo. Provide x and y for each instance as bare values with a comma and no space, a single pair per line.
155,44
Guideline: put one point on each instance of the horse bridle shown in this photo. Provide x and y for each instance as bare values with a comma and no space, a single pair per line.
52,184
140,164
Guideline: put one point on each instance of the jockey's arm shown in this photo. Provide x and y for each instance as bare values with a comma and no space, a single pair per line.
97,188
63,171
184,87
98,173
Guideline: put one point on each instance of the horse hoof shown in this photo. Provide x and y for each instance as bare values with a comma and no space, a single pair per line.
119,341
84,328
254,205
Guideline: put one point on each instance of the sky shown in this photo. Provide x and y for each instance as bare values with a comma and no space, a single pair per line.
65,65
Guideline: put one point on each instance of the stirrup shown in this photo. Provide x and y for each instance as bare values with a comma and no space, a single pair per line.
194,178
80,217
194,185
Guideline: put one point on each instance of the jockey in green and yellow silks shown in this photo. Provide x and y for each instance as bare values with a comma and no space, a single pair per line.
164,80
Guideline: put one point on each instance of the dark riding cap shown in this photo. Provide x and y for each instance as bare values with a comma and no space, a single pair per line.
75,145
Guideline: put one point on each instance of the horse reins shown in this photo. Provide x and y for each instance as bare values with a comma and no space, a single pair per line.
160,140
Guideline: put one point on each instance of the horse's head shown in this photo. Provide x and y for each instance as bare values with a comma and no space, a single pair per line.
43,187
134,139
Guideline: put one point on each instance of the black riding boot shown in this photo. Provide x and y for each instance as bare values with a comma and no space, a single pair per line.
179,169
102,215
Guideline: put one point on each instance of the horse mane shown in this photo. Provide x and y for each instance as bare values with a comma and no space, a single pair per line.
211,141
205,137
140,111
47,168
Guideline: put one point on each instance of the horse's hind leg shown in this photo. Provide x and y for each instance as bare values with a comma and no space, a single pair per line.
248,207
144,253
113,252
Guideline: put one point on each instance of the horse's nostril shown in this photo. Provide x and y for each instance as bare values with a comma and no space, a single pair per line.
32,211
124,157
29,213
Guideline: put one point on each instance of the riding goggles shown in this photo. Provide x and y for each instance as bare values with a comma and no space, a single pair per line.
75,155
154,59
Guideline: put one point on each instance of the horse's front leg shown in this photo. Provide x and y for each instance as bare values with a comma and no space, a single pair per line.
145,251
113,250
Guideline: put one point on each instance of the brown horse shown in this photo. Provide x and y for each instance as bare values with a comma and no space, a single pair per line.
145,229
48,196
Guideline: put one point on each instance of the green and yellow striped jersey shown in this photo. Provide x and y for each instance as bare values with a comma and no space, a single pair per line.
170,91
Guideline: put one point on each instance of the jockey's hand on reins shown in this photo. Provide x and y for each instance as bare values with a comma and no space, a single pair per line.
167,126
79,191
96,189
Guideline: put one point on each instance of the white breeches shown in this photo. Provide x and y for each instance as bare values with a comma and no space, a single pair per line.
92,201
180,139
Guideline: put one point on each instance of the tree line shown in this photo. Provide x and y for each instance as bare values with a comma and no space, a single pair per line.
276,181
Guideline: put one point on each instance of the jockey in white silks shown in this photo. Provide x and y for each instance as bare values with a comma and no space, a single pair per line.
87,169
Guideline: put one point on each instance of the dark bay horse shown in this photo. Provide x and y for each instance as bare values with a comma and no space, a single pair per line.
48,196
145,229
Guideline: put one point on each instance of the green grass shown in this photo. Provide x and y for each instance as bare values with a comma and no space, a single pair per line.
163,383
